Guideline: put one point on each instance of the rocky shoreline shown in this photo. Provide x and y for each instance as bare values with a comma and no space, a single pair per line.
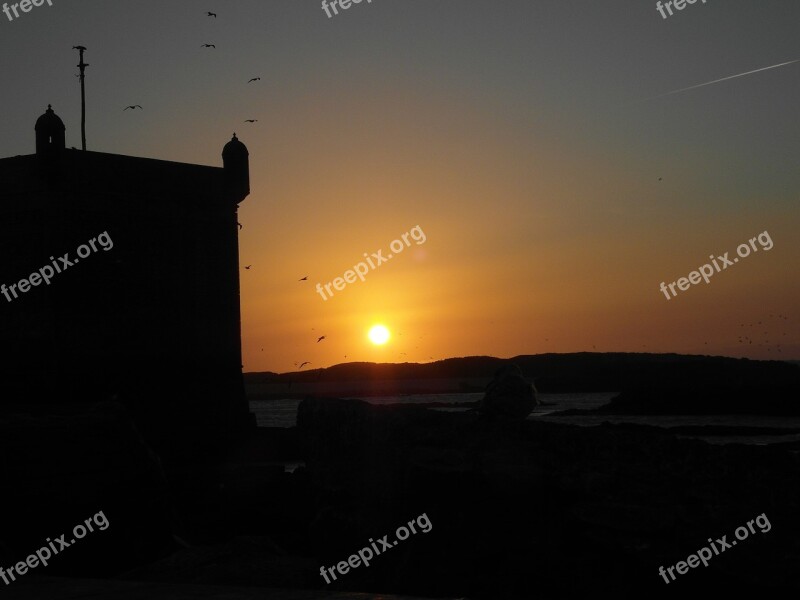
519,509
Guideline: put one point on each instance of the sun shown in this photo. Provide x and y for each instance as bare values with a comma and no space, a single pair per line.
379,335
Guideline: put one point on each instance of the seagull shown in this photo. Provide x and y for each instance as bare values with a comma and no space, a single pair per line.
303,364
304,278
254,79
322,337
133,106
212,15
248,267
251,120
208,46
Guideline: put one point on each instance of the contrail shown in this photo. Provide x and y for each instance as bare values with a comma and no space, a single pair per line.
724,79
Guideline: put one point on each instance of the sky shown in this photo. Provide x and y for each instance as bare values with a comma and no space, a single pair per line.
534,145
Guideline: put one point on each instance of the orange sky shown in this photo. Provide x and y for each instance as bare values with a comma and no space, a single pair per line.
534,243
524,140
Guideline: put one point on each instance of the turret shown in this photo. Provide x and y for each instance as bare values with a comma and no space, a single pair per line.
50,134
236,162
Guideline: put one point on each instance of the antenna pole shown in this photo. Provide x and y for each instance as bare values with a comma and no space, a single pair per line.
82,66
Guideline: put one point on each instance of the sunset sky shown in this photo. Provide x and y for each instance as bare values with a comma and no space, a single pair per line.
525,138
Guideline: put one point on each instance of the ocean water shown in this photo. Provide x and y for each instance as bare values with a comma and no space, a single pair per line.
283,413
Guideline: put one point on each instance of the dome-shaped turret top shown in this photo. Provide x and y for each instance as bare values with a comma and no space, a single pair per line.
50,132
234,149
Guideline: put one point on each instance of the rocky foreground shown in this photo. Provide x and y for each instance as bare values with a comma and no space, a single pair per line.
518,510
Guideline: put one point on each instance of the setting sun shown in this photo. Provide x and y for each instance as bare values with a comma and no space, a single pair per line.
379,335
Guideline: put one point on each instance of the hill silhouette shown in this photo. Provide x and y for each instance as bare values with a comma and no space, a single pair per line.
649,383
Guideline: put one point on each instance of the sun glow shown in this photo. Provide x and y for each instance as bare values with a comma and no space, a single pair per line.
379,335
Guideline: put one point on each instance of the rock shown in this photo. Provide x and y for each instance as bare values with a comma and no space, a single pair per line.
508,395
505,496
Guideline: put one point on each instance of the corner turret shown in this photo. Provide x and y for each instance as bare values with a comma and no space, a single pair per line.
50,133
236,162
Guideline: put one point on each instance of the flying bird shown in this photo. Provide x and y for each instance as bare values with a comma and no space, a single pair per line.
239,224
322,337
305,363
254,79
304,278
133,106
212,15
251,120
208,46
248,267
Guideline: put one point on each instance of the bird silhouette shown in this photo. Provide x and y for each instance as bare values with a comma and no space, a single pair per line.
240,225
133,106
210,14
248,267
251,120
303,364
659,178
304,278
254,79
208,46
322,337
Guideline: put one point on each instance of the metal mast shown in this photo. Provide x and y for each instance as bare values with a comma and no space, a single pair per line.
82,66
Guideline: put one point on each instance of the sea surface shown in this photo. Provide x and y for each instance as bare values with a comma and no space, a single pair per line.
283,413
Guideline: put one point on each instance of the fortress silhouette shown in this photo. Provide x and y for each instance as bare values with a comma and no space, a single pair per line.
154,321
